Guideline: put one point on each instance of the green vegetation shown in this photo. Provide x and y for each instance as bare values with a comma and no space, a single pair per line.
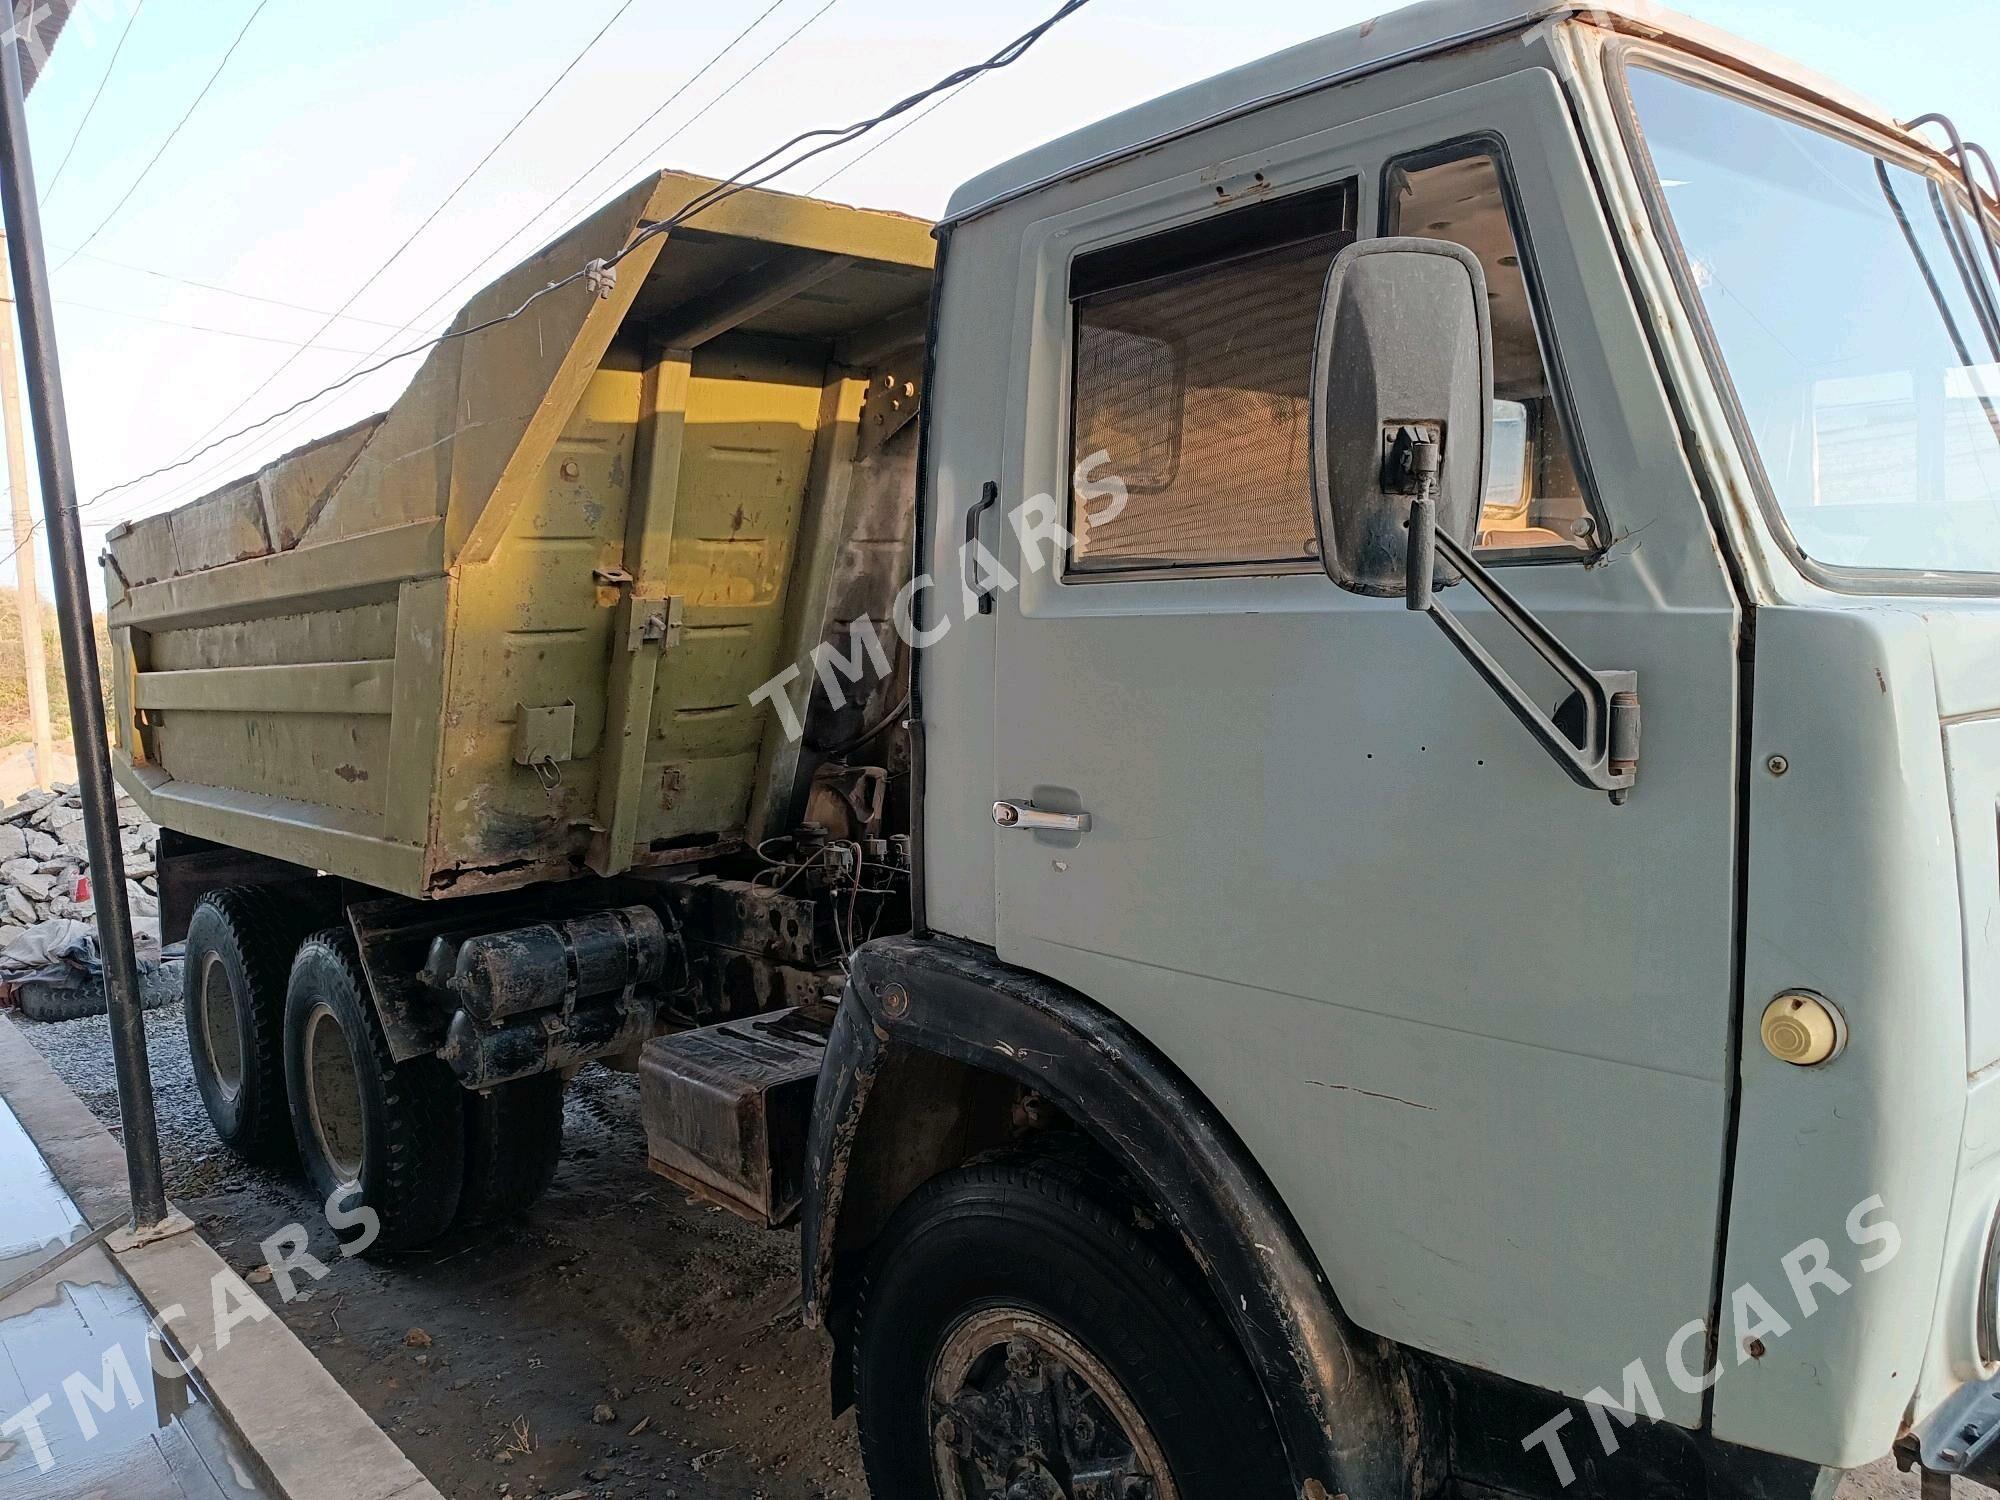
14,679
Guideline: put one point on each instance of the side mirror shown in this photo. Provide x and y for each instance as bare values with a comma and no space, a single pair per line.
1402,435
1402,405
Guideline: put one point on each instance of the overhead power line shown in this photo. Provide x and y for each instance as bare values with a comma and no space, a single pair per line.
91,108
228,333
423,318
760,172
431,218
230,291
630,135
172,135
923,114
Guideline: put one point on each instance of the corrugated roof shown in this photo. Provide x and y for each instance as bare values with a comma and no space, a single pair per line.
39,23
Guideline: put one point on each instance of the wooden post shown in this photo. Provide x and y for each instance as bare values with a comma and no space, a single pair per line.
28,584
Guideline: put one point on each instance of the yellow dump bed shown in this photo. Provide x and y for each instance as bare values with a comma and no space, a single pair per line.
507,631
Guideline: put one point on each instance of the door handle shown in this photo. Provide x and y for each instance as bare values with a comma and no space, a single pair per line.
989,495
1027,815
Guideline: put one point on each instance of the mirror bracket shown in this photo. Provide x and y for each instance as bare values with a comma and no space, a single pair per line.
1607,757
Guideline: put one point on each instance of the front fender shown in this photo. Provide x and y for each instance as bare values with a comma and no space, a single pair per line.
1344,1403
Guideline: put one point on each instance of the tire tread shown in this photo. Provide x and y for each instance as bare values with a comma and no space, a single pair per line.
265,936
513,1144
422,1146
1099,1202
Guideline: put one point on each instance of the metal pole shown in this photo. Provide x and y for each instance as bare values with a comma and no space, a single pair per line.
27,571
72,587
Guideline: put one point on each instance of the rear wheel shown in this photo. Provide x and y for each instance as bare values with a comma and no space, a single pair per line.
513,1141
394,1130
239,952
1019,1339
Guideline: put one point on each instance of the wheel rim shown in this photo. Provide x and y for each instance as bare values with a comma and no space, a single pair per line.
1020,1410
220,1031
333,1094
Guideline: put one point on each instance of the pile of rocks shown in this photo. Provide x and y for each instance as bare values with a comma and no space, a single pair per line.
43,855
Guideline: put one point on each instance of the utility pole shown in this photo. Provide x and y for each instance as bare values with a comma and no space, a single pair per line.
29,259
27,572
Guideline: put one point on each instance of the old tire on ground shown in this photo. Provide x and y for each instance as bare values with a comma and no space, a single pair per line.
71,999
239,952
513,1141
41,1000
1004,1278
360,1117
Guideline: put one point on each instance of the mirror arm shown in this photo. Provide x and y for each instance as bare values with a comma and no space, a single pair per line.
1608,759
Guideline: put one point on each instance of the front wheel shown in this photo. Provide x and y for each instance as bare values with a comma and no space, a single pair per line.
1019,1338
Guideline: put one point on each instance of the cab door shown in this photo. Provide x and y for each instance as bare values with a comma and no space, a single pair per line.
1474,1021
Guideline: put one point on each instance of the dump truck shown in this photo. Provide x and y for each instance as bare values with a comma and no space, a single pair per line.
1315,788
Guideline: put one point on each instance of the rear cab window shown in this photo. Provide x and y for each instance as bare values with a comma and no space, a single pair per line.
1193,357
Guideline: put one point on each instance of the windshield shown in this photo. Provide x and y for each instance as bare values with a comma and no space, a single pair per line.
1850,302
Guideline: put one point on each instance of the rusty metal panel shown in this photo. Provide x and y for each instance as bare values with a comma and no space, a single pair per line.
753,417
727,1109
293,489
532,628
141,552
222,528
333,660
402,473
363,632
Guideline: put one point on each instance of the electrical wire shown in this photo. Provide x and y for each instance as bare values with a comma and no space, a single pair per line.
839,172
90,109
739,182
172,135
623,142
424,316
855,741
346,380
835,138
230,333
430,219
741,78
230,291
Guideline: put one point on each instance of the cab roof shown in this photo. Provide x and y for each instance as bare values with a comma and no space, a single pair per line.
1399,36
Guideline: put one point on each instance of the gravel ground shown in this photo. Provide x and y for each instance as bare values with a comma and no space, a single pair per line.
621,1340
494,1359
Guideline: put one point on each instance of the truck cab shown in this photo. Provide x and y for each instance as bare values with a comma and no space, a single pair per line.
1535,1103
1319,790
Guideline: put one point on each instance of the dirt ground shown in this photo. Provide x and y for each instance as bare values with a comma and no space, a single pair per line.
622,1340
619,1341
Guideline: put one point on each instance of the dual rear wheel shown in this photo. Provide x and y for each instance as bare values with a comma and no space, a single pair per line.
293,1067
1021,1332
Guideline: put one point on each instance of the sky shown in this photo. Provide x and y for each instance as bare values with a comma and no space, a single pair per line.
199,303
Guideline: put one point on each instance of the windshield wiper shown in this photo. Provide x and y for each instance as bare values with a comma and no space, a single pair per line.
1983,205
1969,273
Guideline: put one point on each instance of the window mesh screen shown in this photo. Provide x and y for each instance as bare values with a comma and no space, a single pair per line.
1194,389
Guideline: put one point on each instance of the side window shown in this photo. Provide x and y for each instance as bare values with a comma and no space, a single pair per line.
1534,499
1193,354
